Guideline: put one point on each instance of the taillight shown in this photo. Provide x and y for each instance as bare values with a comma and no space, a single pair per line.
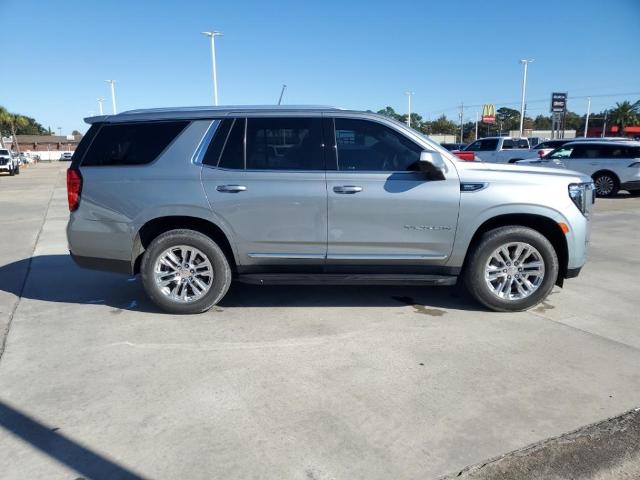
74,188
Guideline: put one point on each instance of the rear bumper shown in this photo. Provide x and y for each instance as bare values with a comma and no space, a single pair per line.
103,264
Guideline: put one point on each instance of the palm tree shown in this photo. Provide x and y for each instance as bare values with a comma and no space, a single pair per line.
625,114
14,121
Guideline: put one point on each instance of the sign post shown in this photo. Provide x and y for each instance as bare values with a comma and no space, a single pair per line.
558,111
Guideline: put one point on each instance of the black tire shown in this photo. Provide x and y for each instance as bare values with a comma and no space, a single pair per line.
12,172
605,178
220,265
474,274
18,170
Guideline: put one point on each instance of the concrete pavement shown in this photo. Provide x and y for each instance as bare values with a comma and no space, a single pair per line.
295,382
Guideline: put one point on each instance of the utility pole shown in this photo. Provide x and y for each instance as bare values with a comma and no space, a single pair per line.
100,109
113,95
409,95
586,123
214,75
461,124
524,91
604,125
281,93
476,125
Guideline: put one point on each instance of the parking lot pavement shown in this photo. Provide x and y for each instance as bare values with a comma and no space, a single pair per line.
295,382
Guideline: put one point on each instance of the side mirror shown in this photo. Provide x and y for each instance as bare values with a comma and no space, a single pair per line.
432,164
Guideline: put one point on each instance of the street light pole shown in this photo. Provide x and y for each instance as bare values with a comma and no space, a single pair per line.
461,119
100,109
524,92
214,74
409,95
476,125
112,83
586,124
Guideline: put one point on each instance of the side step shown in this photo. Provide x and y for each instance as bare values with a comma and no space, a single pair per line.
346,279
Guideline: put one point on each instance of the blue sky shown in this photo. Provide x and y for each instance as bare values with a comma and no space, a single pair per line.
358,54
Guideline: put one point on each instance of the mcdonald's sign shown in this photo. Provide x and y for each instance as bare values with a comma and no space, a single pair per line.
489,113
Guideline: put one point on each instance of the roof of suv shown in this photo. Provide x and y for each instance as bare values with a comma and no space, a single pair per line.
626,143
193,113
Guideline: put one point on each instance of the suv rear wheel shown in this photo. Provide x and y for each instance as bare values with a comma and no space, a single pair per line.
512,269
184,271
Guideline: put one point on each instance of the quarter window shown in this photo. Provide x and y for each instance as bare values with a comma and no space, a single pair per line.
131,143
368,146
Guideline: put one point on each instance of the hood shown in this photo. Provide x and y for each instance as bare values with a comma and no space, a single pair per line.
517,171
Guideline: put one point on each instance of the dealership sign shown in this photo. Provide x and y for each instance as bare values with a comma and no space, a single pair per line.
489,113
558,102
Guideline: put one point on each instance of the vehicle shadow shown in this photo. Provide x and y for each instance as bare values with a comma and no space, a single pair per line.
61,448
56,278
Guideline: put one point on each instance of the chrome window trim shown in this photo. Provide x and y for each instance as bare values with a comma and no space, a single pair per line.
202,147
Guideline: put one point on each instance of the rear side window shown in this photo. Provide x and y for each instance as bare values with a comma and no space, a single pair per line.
284,144
218,142
484,145
233,154
131,143
587,152
84,145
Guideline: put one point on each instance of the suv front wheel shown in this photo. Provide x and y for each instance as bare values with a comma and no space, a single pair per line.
184,271
512,269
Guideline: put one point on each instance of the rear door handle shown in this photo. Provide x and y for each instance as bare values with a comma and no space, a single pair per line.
231,188
347,189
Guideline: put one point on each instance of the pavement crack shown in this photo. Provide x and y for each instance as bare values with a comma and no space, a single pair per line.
7,329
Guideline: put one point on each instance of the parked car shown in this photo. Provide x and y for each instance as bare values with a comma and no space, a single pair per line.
613,165
500,149
66,156
541,149
194,198
8,162
454,146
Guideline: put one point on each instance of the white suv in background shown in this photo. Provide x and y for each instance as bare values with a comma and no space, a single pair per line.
8,163
613,165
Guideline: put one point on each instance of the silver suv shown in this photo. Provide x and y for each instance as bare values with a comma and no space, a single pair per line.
193,198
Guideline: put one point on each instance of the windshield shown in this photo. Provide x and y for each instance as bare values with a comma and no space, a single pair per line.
4,152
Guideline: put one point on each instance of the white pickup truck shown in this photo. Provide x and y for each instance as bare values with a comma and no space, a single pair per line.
500,149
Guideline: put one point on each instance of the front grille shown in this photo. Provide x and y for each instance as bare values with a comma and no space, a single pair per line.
4,161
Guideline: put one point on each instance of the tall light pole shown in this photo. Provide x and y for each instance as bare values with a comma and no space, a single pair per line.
461,124
524,92
409,95
59,131
100,102
214,74
113,95
586,124
476,125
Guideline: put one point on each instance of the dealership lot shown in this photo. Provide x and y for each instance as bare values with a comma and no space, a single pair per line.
295,382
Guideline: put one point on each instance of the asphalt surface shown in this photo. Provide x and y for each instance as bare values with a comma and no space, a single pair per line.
295,382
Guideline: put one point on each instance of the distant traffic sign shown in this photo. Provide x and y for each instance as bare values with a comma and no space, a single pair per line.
558,102
489,113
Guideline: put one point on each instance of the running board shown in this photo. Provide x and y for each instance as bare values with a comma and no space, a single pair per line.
346,279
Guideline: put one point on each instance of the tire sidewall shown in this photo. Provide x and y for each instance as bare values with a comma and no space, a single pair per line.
219,263
474,276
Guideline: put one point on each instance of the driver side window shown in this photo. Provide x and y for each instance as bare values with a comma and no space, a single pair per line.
363,145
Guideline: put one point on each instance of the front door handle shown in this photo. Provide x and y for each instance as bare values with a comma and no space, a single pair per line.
231,188
347,189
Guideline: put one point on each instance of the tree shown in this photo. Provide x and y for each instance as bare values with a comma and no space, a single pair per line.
443,126
542,122
390,112
15,122
625,114
76,133
509,118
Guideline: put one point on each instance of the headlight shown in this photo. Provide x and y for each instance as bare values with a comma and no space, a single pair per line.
582,195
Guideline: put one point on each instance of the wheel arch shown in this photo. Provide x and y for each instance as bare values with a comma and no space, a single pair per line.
159,225
544,225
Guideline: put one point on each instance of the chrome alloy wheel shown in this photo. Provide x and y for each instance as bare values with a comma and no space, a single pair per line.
183,274
604,185
514,271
